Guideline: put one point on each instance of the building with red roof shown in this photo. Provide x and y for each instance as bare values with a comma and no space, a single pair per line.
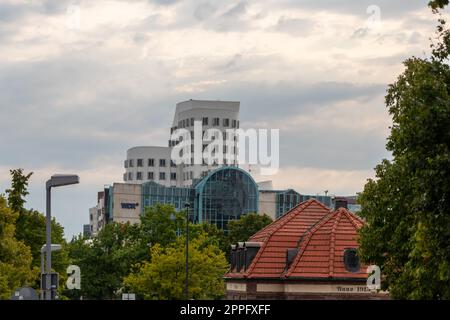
308,253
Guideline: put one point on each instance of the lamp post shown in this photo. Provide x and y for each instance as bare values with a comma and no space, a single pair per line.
54,247
187,205
57,180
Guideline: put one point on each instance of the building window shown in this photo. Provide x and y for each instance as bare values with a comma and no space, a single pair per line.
226,122
191,175
192,135
125,177
162,162
216,122
173,176
234,124
130,176
140,162
188,123
139,175
172,164
150,176
192,122
126,164
162,176
351,260
151,162
205,121
131,163
238,124
184,123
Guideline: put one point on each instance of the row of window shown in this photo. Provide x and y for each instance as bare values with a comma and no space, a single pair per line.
150,163
232,150
150,176
231,136
186,123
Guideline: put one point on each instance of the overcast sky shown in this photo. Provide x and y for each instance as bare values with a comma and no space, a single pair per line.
83,81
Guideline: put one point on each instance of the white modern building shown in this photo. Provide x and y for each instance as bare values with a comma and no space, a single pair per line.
97,215
151,163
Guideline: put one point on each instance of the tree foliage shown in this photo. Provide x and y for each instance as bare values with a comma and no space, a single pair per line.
407,207
164,277
246,226
18,190
105,260
15,256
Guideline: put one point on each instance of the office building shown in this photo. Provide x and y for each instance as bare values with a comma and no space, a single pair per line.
150,163
224,194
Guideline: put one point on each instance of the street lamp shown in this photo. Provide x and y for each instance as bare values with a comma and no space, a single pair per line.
57,180
187,205
54,247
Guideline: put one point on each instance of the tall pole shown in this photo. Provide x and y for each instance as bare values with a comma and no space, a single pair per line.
187,253
42,272
48,244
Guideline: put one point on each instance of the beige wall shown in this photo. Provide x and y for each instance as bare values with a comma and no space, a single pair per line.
127,193
267,203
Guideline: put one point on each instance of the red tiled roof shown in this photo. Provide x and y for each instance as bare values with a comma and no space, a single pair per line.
319,235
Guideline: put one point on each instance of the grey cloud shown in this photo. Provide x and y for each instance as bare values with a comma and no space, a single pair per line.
282,100
389,9
331,148
204,11
295,26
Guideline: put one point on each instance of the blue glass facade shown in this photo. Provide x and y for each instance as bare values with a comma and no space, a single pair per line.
224,194
286,200
153,193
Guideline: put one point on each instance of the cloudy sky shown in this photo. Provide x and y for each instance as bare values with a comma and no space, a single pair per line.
82,81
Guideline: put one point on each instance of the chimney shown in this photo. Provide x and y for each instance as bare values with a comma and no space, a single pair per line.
340,202
233,257
239,256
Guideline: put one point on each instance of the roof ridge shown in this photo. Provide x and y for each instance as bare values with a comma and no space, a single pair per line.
332,243
305,241
351,216
306,204
280,220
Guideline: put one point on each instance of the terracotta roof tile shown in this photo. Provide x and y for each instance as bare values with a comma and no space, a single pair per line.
320,237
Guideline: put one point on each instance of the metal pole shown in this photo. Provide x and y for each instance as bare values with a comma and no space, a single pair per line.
187,254
48,244
42,271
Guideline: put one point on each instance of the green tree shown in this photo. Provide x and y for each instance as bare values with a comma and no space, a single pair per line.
246,226
163,278
105,260
30,226
407,207
15,256
19,189
161,224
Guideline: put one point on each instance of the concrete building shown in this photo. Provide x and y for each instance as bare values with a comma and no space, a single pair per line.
87,230
275,203
308,253
224,194
123,203
151,163
97,214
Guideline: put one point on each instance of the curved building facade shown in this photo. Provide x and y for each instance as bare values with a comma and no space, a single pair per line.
153,163
225,194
